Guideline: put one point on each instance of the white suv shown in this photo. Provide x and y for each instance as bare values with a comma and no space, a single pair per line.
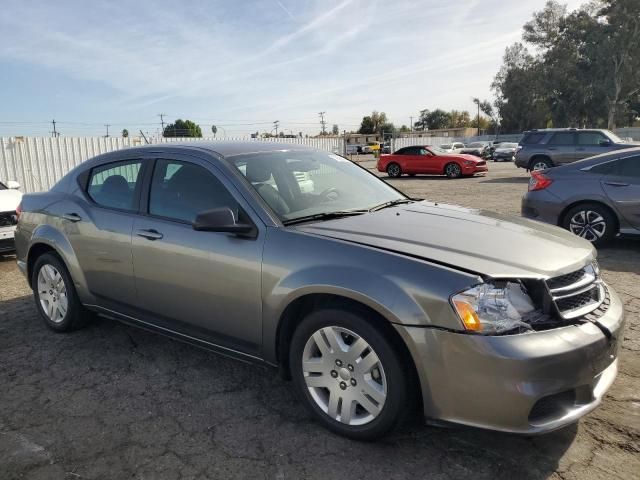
10,198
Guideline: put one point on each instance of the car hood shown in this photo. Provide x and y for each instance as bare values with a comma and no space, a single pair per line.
9,200
477,241
505,150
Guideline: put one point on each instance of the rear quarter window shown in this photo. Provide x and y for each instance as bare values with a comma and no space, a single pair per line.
533,138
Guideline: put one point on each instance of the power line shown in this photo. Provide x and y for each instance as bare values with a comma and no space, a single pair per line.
161,115
107,125
275,124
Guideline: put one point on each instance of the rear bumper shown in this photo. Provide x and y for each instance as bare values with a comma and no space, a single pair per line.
7,243
527,383
543,206
521,161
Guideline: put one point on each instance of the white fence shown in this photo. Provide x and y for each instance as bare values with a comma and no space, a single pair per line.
37,163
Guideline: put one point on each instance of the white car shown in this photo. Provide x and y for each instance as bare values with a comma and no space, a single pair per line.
454,147
10,198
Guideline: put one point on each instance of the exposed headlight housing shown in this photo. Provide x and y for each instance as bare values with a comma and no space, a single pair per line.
491,310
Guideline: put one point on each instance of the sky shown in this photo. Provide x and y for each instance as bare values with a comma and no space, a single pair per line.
241,64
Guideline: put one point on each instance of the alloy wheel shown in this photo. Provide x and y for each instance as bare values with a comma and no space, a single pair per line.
588,224
393,170
453,170
540,166
344,376
52,293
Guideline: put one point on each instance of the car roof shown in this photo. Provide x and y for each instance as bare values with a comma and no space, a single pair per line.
543,130
227,148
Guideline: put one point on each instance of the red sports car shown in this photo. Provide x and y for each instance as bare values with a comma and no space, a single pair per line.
431,160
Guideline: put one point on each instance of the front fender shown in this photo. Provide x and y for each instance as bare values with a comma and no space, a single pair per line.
50,235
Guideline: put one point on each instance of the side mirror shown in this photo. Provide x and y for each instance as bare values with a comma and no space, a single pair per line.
13,185
222,220
604,143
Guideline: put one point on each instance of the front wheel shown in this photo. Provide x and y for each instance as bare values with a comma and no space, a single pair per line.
453,170
540,164
348,374
55,295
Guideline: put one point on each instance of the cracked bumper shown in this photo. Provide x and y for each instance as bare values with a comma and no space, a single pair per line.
527,383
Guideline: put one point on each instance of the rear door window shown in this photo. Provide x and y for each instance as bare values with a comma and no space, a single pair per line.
591,138
562,138
114,185
533,138
629,167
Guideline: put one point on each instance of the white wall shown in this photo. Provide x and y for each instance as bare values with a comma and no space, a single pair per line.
37,163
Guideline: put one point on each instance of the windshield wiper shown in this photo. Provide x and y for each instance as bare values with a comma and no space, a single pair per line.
324,216
391,204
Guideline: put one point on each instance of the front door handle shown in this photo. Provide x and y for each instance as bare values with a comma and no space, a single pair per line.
72,217
617,184
150,234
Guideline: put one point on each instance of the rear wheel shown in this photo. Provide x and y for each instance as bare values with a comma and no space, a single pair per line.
348,374
591,221
55,295
394,170
540,163
452,170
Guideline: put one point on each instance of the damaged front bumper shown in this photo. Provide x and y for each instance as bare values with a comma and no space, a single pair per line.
526,383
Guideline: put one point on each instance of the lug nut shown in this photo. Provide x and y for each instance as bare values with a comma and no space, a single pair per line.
334,374
353,382
339,363
343,385
350,367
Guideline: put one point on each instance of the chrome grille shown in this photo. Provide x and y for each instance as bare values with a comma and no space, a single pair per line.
577,293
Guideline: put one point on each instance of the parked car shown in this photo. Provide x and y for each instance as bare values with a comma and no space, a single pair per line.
454,147
371,147
479,149
10,198
504,151
540,149
386,148
368,300
430,160
353,149
596,198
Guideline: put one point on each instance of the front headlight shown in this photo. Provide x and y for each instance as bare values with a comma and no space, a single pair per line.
488,309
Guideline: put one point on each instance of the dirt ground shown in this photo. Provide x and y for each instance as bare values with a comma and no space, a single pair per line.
111,401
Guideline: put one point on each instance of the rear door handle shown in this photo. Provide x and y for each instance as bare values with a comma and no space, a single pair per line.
149,234
551,148
72,217
617,184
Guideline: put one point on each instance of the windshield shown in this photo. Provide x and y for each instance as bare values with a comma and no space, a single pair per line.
3,186
297,184
446,146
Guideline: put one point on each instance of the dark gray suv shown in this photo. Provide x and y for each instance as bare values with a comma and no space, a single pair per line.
540,149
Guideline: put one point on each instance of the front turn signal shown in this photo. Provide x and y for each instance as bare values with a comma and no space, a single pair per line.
468,315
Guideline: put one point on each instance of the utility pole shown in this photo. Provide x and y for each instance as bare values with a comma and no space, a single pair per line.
54,133
107,125
275,125
411,124
162,115
323,123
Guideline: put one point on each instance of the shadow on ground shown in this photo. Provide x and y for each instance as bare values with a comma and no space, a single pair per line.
113,401
507,180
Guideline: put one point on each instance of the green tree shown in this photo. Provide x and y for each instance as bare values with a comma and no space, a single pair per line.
182,128
366,126
375,123
433,120
125,133
335,129
214,130
404,129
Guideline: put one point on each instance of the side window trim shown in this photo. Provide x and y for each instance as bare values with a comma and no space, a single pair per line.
84,180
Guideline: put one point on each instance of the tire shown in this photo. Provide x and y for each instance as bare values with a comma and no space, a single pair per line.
348,376
540,163
591,221
394,170
52,285
452,170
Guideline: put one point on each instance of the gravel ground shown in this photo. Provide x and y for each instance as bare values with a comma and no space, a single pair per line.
112,401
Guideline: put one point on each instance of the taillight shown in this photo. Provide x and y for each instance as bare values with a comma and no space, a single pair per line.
538,181
18,211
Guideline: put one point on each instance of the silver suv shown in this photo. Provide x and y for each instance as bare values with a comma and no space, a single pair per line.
540,149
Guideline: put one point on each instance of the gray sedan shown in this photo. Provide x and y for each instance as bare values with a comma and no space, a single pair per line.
369,301
597,198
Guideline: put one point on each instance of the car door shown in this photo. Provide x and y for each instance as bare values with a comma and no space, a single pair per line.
202,284
413,160
98,222
562,147
429,161
590,144
622,186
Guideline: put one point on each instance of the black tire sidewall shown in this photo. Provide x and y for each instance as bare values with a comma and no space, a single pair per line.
74,309
544,160
606,214
453,176
395,406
